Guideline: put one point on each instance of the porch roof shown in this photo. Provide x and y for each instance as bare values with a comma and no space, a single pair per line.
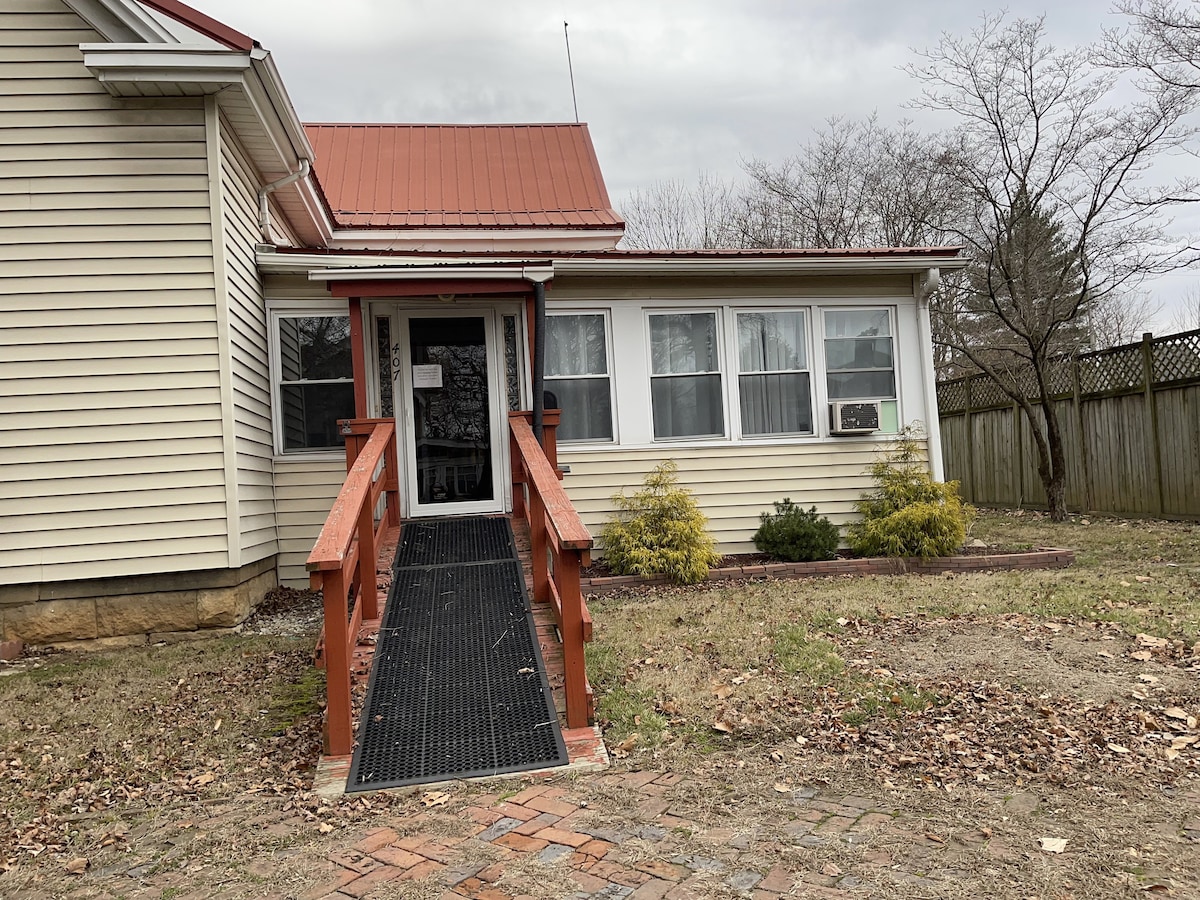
461,176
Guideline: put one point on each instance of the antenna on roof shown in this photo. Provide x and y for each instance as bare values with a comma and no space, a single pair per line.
571,69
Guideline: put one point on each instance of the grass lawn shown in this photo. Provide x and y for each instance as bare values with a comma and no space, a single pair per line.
990,708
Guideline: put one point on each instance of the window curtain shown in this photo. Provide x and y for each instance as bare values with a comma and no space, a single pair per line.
686,382
773,399
577,376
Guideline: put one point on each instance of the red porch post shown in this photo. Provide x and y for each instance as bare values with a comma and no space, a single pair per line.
358,356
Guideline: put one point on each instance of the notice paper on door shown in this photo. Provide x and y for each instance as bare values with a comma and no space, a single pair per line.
427,376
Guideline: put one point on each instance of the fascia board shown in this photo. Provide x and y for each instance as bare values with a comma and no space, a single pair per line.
458,271
119,20
274,263
303,263
499,235
151,63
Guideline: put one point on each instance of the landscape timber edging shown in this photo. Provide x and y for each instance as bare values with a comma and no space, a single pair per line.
1041,558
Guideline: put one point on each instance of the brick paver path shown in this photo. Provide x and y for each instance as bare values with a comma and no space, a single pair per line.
546,835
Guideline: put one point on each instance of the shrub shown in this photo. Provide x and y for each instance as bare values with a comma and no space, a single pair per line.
660,530
793,535
909,514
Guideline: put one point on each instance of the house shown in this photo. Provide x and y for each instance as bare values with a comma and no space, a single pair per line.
196,287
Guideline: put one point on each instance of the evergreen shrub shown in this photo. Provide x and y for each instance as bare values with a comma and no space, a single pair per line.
660,531
794,535
909,514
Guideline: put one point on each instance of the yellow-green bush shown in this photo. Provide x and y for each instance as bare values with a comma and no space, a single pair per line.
909,514
660,531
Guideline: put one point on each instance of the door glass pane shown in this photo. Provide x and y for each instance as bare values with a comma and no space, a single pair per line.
451,424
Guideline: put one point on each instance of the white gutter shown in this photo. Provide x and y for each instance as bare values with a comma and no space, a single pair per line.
541,273
390,265
264,209
925,287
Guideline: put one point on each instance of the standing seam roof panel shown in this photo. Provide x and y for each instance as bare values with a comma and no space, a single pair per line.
435,175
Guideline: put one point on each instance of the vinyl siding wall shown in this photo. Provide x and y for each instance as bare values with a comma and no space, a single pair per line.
305,484
304,490
248,353
111,456
728,489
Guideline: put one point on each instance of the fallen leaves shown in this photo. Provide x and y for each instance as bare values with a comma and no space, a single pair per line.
1052,845
434,799
77,866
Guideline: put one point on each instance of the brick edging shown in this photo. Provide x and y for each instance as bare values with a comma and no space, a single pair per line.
1042,558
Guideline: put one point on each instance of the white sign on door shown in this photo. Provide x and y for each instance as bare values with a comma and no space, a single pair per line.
427,376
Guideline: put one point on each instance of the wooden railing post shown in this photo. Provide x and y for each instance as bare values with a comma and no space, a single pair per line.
342,562
518,471
554,525
537,547
338,727
567,579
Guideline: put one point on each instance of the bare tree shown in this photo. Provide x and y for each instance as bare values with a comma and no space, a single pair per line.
1059,221
1187,316
1121,318
671,215
855,184
1161,43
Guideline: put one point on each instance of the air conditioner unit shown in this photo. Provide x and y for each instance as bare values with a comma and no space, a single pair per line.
854,417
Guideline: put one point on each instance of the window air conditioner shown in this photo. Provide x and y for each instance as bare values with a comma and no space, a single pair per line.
856,417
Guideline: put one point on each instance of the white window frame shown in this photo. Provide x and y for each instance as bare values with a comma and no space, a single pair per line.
735,389
719,315
275,367
548,380
893,336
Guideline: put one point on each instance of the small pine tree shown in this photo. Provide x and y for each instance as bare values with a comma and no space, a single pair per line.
909,514
793,535
660,530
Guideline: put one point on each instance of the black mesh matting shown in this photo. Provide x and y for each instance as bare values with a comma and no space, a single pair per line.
458,687
440,542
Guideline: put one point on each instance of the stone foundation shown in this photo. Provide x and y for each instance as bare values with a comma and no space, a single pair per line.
125,612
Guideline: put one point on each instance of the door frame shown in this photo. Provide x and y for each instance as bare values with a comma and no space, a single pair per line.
403,407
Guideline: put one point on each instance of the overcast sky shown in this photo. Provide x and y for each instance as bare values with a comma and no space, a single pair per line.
669,88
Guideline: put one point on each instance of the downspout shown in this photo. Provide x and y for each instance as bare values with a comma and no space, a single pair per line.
264,211
539,279
926,285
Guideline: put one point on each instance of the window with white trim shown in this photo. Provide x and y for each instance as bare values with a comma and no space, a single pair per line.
860,360
577,375
316,380
685,375
774,381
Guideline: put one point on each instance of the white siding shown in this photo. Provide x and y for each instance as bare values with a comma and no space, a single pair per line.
248,352
304,492
110,406
728,488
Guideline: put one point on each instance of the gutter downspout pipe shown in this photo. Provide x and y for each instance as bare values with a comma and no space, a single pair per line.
926,285
539,277
264,211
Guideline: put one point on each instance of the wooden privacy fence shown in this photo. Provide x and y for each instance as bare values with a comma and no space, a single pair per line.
1130,420
342,562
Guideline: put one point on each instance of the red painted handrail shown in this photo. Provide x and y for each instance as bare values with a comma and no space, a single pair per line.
342,562
555,529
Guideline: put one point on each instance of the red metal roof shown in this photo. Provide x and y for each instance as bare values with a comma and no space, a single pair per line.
461,176
205,25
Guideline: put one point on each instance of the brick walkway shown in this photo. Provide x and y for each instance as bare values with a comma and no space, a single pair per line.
656,851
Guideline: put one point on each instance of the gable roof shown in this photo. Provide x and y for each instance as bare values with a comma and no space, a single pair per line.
461,176
205,25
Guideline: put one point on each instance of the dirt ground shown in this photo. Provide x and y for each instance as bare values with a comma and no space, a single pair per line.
886,737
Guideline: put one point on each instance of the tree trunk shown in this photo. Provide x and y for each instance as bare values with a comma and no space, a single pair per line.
1055,480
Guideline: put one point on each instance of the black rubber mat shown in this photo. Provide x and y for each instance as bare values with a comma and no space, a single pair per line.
458,686
440,542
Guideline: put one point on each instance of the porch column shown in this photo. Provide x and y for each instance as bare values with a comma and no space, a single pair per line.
358,355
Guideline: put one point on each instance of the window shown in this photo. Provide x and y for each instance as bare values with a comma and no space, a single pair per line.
316,380
859,359
774,384
578,377
685,375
